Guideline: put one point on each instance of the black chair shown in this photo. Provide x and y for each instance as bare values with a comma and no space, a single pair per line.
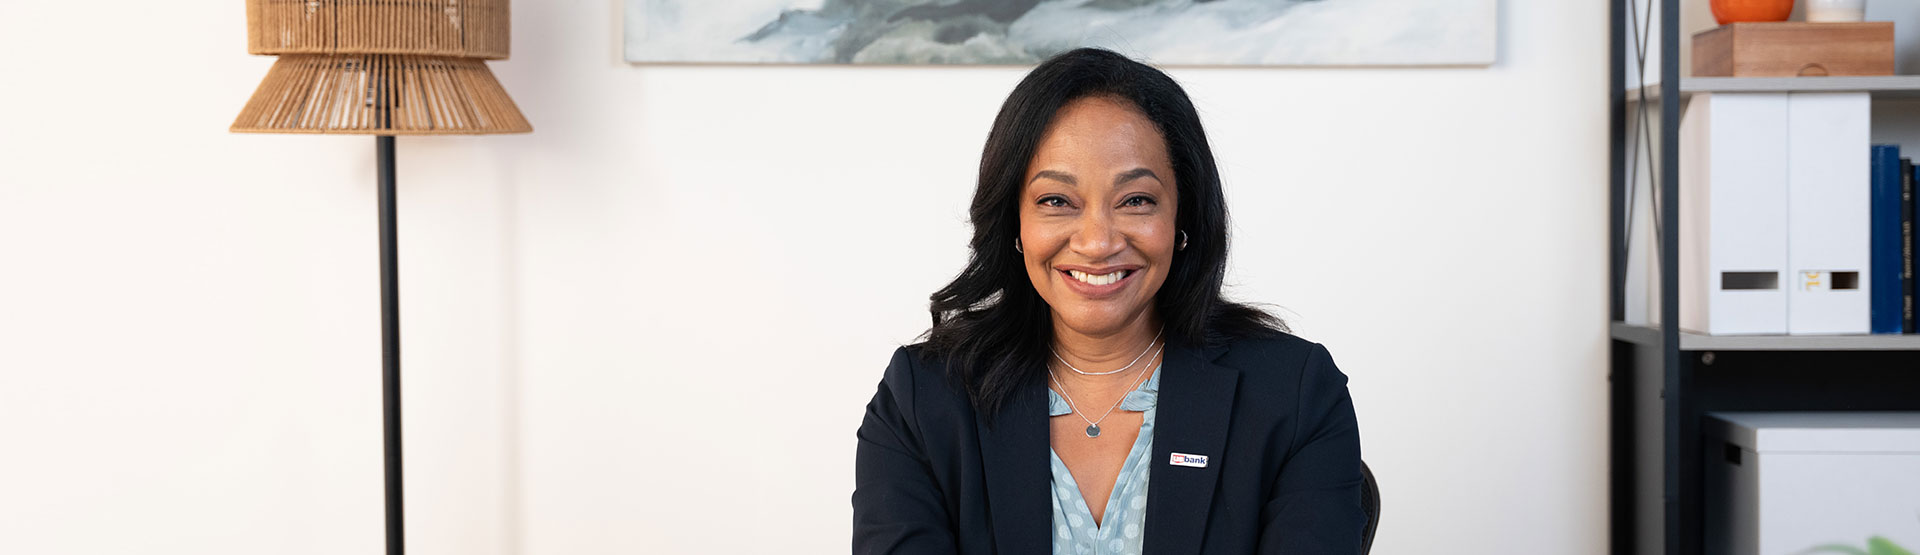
1369,500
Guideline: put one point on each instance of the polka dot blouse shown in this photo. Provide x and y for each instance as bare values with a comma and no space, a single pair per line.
1120,530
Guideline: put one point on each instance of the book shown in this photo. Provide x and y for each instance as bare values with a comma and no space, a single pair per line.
1886,263
1906,245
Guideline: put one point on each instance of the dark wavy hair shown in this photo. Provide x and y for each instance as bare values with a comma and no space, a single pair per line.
990,325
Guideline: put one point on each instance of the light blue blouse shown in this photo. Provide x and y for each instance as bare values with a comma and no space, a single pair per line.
1122,527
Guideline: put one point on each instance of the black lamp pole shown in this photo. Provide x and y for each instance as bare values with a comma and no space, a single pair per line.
390,346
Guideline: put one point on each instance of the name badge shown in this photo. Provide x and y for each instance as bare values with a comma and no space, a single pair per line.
1195,461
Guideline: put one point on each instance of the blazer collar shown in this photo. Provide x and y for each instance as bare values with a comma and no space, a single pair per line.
1195,406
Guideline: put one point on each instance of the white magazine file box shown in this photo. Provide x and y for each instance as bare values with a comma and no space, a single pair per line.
1733,222
1829,200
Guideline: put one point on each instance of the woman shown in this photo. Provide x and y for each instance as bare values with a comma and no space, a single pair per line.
1085,388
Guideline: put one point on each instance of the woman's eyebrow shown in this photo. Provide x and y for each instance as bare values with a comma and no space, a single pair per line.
1054,175
1135,173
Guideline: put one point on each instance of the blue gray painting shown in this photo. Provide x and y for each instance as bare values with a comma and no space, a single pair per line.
1175,32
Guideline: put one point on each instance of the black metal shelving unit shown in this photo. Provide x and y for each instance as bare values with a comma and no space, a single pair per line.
1664,381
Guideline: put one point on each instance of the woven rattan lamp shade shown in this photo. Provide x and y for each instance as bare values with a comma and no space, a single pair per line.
380,67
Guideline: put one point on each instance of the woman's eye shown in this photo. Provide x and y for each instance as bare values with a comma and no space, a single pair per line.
1137,201
1054,202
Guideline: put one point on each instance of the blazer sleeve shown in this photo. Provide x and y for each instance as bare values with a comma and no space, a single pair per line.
897,506
1315,505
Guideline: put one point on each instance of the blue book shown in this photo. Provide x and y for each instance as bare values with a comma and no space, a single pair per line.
1906,245
1887,304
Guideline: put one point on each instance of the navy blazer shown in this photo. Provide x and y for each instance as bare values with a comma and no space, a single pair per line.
1272,416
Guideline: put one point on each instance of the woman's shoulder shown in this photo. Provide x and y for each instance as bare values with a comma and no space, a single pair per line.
1270,345
1279,357
913,361
1285,378
1275,348
916,372
908,364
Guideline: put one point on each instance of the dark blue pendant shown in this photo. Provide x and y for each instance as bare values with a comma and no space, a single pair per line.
1093,430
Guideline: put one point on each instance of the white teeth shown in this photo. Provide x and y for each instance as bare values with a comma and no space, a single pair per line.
1102,279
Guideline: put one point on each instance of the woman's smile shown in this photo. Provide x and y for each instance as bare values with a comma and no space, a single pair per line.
1096,283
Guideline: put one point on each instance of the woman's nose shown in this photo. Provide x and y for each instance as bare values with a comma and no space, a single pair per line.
1097,237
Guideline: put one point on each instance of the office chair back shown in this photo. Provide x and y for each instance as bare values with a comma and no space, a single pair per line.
1370,500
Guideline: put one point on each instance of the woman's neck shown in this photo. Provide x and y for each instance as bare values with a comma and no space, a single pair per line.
1106,351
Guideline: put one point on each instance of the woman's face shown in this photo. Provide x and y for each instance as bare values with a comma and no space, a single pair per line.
1097,216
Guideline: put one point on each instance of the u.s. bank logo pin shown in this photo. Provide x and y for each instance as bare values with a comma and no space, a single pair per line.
1183,459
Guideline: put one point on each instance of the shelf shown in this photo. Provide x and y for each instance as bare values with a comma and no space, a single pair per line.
1646,335
1882,86
1659,391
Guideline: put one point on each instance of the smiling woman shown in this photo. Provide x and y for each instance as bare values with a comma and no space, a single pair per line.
1097,249
1085,387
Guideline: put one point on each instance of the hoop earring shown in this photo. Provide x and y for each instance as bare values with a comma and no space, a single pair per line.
1016,246
1183,241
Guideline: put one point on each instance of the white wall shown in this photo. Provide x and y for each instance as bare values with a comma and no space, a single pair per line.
651,325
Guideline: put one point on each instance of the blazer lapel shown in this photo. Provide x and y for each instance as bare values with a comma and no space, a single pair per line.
1195,409
1014,454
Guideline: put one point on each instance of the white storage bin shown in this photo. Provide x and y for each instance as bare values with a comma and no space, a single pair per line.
1781,483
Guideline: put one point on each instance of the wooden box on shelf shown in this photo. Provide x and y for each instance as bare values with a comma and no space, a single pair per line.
1794,49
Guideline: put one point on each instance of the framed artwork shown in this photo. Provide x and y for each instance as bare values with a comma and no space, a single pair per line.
1167,32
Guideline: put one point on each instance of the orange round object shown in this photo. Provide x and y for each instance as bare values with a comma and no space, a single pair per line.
1740,11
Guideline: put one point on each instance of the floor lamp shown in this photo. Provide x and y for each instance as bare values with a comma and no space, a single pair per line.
385,68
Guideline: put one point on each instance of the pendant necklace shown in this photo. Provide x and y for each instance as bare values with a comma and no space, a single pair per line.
1093,426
